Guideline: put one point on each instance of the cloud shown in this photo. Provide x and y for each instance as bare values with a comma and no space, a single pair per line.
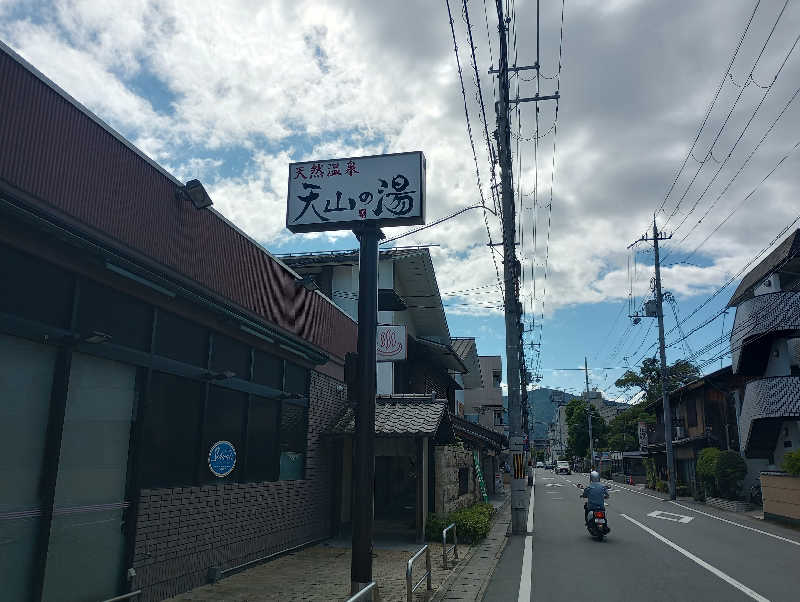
232,92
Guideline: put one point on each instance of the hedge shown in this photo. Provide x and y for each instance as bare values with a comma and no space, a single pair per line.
472,523
730,471
707,470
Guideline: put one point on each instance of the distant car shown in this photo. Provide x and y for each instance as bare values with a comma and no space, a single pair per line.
563,468
540,465
549,466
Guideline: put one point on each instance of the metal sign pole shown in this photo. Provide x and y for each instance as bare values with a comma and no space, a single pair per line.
364,456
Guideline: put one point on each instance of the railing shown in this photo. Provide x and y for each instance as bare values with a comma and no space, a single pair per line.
409,588
445,549
127,596
362,594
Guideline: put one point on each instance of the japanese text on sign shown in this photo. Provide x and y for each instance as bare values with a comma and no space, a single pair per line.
338,194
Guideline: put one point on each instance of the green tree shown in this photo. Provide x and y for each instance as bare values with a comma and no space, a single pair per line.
730,471
578,429
707,470
623,430
648,379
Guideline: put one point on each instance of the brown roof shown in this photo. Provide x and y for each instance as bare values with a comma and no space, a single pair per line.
68,164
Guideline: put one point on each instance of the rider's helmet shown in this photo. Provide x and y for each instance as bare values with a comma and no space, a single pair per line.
594,476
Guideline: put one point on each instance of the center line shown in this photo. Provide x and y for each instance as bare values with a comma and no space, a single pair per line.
725,577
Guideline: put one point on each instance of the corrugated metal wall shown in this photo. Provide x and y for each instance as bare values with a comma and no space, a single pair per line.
57,154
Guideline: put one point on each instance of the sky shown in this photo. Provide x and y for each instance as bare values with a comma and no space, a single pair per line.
654,118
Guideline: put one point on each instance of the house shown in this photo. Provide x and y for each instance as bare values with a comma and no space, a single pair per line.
765,350
484,404
703,415
414,461
164,380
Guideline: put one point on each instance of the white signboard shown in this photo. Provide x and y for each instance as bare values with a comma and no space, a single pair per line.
339,194
391,344
515,443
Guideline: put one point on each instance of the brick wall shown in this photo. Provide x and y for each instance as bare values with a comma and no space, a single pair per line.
447,461
182,532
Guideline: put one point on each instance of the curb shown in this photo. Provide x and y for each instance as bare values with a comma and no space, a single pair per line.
444,588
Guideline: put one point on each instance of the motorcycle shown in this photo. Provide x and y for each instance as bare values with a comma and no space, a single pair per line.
596,521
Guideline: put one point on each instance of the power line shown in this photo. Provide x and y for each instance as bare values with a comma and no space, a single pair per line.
472,144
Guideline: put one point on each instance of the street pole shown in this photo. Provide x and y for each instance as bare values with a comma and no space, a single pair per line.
589,413
364,453
663,353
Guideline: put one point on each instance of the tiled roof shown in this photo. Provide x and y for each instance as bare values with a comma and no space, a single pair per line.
406,416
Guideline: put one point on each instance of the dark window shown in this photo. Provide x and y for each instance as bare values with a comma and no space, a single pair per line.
171,431
181,340
296,380
463,481
268,370
127,320
294,430
228,354
691,412
225,412
263,444
34,289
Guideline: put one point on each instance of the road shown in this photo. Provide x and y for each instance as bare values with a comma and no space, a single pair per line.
657,550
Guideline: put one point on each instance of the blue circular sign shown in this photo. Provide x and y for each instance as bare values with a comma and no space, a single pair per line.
222,458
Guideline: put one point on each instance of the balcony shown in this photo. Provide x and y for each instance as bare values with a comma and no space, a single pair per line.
771,312
767,402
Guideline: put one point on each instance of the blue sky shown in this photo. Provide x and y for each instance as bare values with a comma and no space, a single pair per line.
650,120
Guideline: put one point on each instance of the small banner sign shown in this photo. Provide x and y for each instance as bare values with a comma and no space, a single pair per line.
222,458
642,436
392,343
340,194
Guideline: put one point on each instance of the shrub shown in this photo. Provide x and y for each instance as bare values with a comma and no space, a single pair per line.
662,486
707,470
791,463
472,523
730,471
650,469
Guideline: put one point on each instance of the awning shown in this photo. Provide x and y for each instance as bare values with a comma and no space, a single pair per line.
444,354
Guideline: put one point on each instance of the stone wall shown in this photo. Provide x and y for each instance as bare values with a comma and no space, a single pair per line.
182,532
447,461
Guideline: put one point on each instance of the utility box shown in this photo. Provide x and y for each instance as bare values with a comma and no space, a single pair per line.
651,309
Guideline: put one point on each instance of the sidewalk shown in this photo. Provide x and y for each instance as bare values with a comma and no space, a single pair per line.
469,580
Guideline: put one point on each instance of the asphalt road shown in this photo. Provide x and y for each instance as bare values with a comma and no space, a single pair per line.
657,550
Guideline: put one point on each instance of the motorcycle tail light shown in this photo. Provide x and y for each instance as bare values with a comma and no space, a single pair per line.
600,514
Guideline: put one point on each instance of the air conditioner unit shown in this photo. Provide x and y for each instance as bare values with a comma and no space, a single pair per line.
771,284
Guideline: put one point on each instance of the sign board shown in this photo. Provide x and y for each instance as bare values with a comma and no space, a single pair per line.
222,458
642,436
340,194
391,343
515,443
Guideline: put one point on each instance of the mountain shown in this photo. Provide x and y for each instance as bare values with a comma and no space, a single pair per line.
543,407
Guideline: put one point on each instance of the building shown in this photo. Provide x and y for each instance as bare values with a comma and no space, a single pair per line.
467,350
408,295
607,409
484,405
703,415
765,350
165,381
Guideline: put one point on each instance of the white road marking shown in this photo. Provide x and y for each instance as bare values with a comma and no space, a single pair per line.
675,518
530,506
741,526
553,485
527,571
725,577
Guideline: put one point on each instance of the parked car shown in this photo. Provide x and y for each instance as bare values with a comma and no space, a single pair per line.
540,465
563,468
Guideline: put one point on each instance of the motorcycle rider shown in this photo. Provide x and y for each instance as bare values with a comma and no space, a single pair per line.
596,494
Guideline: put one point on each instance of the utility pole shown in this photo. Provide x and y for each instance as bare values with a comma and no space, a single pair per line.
589,413
662,351
511,271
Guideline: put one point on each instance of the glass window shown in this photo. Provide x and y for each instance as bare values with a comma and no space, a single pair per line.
263,444
34,289
181,340
228,354
294,431
127,320
26,377
268,370
171,431
225,412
